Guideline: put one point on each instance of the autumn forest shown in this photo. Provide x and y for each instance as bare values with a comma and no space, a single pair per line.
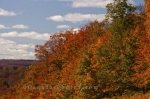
101,60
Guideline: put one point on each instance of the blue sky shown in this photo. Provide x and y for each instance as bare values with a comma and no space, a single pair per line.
25,23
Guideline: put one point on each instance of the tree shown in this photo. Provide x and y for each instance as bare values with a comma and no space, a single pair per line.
119,9
42,51
119,13
117,56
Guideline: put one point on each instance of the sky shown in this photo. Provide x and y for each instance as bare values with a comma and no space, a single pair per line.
26,23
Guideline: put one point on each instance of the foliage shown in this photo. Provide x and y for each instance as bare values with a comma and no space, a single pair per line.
101,60
119,9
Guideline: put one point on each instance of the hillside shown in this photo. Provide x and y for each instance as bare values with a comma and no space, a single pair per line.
11,72
108,59
11,63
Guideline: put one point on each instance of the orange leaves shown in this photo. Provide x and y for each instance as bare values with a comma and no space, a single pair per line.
147,10
142,61
60,57
142,79
113,62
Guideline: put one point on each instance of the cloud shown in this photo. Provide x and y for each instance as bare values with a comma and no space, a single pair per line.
20,26
63,27
57,18
76,17
30,35
11,50
9,34
3,27
6,13
76,29
88,3
91,3
41,0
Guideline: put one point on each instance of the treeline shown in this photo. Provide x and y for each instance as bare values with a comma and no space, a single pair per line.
11,62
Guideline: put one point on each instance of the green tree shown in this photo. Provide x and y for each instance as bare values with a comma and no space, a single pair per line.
119,9
119,13
117,56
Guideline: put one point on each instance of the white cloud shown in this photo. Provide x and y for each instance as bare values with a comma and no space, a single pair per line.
29,35
91,3
41,0
76,29
11,50
63,27
73,30
20,26
3,27
77,17
9,34
6,13
57,18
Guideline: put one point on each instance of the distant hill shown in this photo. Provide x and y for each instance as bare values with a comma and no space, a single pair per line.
11,62
11,72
